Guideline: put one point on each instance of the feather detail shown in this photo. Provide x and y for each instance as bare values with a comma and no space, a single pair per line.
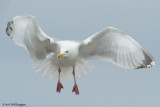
113,45
49,69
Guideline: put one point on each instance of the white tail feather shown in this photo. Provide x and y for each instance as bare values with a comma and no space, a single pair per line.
49,69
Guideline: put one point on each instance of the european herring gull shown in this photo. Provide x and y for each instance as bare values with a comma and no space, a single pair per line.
69,58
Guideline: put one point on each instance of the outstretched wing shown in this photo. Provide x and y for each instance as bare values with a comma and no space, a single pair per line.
25,31
117,47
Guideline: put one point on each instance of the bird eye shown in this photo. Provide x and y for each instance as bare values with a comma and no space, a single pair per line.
66,51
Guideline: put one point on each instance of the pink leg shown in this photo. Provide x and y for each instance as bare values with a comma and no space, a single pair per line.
59,85
75,88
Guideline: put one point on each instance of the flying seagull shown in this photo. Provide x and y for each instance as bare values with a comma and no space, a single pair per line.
64,59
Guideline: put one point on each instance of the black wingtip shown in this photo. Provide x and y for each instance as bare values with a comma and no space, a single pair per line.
9,28
148,61
7,31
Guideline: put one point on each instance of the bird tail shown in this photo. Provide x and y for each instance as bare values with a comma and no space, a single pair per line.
48,68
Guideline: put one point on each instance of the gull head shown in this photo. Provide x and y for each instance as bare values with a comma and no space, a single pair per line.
68,50
64,54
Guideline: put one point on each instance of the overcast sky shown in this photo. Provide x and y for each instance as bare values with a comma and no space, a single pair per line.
107,85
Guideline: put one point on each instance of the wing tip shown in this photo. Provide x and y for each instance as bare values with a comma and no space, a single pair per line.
9,28
146,66
148,61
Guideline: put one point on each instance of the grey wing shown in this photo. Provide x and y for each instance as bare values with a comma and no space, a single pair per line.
113,45
25,32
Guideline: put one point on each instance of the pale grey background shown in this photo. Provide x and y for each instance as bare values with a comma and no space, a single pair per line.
107,85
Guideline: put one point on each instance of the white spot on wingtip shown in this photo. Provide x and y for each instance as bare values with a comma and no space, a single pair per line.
152,63
148,66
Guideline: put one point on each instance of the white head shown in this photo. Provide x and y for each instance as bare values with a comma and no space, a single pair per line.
68,49
64,53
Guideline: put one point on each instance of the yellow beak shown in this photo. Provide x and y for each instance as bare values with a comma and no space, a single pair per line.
59,55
